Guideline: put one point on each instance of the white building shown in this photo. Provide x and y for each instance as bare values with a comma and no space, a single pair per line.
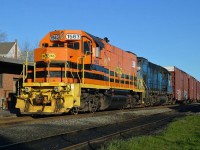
10,50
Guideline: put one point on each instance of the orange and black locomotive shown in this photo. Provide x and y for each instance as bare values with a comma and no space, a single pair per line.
75,71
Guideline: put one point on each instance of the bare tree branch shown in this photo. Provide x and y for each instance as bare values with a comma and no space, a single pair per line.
3,36
26,47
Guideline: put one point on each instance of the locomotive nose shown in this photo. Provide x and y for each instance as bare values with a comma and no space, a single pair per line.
48,54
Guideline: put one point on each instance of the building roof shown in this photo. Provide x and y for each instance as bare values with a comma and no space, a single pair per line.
11,60
5,47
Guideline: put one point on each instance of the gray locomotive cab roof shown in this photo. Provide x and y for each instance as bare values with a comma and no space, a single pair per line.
131,52
97,40
142,58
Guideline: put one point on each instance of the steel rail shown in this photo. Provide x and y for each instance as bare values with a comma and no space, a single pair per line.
72,145
89,144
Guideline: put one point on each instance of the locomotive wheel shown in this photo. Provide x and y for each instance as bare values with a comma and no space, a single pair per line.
130,102
173,102
147,102
27,103
133,102
74,110
93,103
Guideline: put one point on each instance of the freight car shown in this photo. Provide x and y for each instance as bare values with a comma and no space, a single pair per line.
179,84
185,87
193,93
157,83
76,71
198,91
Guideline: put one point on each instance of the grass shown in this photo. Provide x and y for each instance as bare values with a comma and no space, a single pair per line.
183,134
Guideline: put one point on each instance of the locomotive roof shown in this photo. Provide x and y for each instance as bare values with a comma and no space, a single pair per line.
142,58
131,52
150,63
97,40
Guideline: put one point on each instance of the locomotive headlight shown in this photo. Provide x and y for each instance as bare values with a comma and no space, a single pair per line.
58,88
27,89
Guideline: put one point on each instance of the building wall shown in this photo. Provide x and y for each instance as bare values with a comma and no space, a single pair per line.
8,87
12,52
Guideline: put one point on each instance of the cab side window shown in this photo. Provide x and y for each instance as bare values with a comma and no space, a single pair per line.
98,52
73,45
86,46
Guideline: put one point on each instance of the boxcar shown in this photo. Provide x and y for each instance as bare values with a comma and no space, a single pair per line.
198,91
192,89
180,84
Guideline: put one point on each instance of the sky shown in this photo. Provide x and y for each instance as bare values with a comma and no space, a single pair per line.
166,32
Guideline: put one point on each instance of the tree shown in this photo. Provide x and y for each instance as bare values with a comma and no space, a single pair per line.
27,48
3,36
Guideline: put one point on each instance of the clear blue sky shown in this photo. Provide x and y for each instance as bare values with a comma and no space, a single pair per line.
167,32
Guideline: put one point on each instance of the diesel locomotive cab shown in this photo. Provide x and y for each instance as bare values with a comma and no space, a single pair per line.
61,55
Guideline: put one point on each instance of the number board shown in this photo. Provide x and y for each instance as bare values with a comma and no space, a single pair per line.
54,37
73,36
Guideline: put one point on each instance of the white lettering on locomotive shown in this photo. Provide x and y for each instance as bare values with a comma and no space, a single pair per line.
54,37
73,36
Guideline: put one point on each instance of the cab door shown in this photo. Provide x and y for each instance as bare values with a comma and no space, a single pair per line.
85,60
87,50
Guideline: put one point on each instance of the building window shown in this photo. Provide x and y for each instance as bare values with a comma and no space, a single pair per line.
1,80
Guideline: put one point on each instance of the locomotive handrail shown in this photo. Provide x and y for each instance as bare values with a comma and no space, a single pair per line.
129,80
146,89
25,67
78,68
133,80
34,72
67,64
109,75
83,70
26,63
25,71
124,80
48,75
65,71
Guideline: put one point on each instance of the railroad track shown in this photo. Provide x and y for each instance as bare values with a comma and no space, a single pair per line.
125,132
10,121
92,138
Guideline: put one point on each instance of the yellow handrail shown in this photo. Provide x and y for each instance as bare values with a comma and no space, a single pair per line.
83,70
65,72
34,72
78,68
70,69
109,75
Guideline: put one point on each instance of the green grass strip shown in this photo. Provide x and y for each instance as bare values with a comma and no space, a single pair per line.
183,134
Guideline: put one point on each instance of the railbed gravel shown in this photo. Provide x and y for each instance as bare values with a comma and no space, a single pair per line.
34,130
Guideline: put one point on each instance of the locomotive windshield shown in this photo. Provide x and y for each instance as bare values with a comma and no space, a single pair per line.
69,44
